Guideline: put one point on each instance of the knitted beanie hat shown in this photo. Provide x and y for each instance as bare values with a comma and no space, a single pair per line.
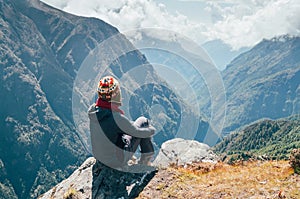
109,90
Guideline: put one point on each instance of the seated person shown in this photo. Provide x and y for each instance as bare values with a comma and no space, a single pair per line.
114,137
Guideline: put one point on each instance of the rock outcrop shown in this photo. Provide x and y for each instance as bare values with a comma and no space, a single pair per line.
180,152
95,180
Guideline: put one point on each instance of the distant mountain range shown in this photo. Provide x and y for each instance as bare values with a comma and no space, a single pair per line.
262,82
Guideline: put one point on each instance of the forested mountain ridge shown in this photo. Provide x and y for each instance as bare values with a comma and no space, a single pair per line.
272,139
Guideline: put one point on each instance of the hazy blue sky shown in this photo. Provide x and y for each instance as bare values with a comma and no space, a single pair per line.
239,23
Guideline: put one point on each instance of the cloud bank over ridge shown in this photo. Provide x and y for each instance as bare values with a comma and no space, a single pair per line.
237,23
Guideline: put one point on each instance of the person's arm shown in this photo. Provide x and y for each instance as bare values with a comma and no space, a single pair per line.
126,126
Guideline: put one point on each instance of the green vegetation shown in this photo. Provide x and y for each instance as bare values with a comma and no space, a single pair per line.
265,139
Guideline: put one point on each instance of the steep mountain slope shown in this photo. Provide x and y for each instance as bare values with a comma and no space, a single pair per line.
263,82
36,129
41,52
272,138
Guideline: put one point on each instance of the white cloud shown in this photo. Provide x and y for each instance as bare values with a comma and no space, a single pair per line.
249,22
238,23
133,14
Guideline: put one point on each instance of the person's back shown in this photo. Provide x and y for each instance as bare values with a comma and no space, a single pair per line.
112,134
104,137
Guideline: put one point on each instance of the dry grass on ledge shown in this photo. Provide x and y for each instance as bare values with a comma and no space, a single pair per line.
256,179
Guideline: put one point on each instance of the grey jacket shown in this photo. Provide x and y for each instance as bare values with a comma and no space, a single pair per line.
107,128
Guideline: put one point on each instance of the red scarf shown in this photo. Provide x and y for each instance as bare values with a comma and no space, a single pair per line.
108,105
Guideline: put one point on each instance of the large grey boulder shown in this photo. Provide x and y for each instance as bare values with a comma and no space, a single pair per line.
95,180
181,152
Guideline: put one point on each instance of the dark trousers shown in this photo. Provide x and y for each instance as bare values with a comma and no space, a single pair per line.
132,143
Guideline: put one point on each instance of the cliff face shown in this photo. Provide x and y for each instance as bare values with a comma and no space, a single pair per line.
94,180
36,130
